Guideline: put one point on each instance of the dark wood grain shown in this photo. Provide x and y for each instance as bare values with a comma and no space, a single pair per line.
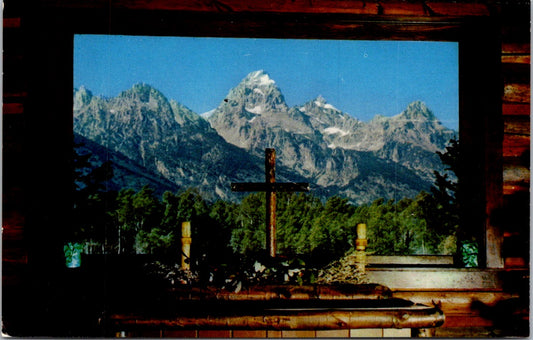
516,93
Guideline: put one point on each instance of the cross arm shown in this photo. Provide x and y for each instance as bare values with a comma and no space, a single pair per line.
273,187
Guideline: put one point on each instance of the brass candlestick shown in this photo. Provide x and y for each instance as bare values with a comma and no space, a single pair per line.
360,247
186,241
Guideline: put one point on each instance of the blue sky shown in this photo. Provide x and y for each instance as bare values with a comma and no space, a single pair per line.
362,78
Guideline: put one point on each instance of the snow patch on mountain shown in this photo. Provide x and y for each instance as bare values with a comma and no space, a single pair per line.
322,103
207,114
261,78
332,130
256,109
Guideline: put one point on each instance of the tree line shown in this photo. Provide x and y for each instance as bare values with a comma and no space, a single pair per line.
141,222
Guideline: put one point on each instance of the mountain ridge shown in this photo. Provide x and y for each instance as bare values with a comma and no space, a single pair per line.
315,142
316,126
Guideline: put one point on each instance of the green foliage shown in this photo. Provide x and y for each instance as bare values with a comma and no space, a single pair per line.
297,216
402,228
446,214
70,249
296,213
305,225
446,193
72,253
136,213
249,230
191,205
469,253
153,242
225,233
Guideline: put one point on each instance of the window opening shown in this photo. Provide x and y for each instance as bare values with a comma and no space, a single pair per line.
163,125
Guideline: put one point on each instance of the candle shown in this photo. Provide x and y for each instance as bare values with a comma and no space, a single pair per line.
361,231
186,229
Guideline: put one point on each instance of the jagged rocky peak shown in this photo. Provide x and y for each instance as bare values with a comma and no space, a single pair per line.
257,93
83,91
417,114
82,96
148,96
144,93
323,115
323,103
259,78
319,105
255,115
315,141
418,110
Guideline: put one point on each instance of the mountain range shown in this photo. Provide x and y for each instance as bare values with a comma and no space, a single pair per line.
153,140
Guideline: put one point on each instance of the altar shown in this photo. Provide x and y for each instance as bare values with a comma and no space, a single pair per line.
278,308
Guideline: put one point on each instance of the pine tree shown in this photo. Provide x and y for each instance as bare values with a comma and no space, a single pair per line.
91,199
445,219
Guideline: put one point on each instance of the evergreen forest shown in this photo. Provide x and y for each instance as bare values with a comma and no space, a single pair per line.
226,233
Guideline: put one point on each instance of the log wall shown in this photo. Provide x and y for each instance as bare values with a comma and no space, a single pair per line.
516,63
15,95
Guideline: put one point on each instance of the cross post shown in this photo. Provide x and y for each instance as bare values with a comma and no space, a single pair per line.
270,187
270,205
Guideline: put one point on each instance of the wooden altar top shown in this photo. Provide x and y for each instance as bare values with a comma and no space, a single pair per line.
278,308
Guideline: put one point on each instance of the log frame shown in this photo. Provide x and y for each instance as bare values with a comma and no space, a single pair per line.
480,123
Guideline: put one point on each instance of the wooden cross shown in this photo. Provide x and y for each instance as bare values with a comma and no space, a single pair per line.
270,187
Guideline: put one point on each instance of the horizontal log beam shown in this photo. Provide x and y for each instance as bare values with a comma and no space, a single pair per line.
434,279
467,321
428,260
360,20
511,189
513,174
516,109
272,187
12,108
516,125
458,9
285,292
287,6
516,59
415,317
516,93
515,145
11,22
516,48
403,8
455,302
